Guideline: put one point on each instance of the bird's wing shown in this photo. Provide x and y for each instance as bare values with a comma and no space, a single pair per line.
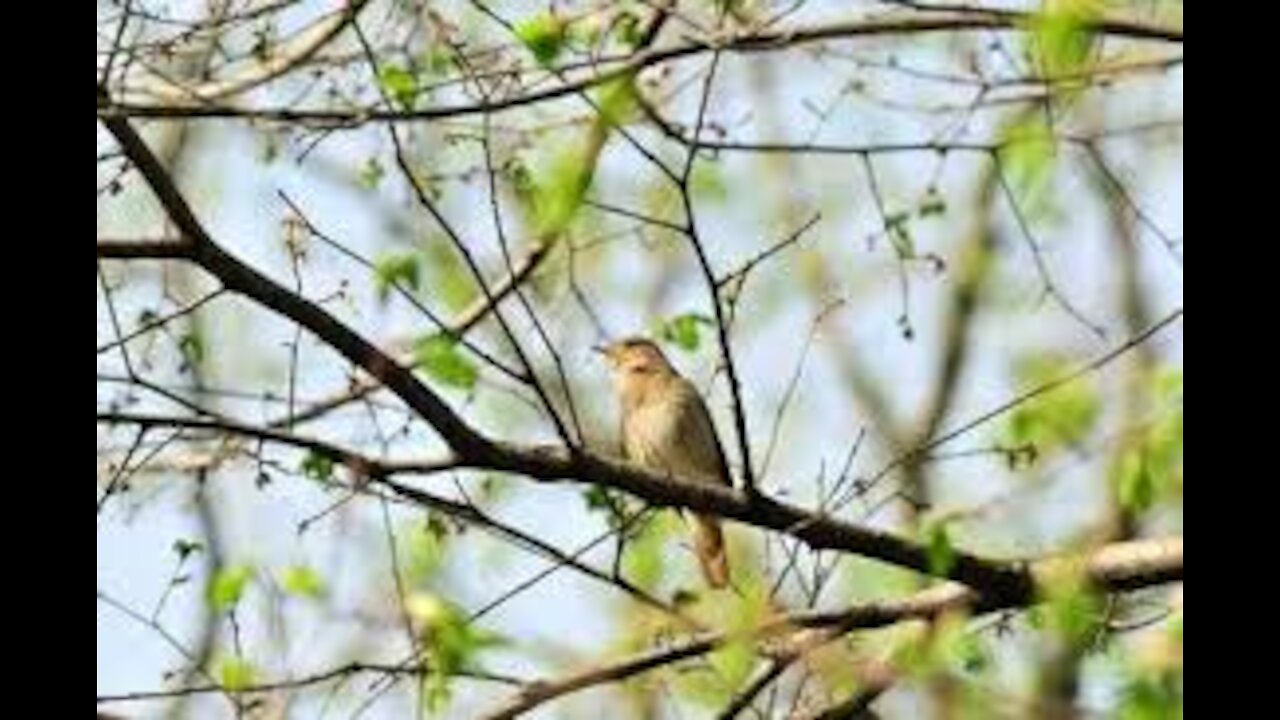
698,432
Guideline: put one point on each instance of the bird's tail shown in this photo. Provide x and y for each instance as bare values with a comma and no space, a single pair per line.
708,542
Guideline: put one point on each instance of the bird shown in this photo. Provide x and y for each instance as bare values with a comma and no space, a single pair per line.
666,428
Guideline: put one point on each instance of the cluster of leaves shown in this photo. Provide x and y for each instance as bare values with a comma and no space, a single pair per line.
424,545
438,356
1062,37
645,560
684,330
1154,678
614,505
316,466
1057,419
729,666
1028,158
556,192
948,647
1071,609
395,269
1150,467
1061,43
556,188
547,35
235,672
404,84
450,644
436,264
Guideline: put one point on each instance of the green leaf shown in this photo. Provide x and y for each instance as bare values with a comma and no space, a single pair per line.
228,585
544,36
1149,470
1168,384
236,674
864,580
447,276
1061,417
1135,485
707,182
684,331
1028,155
1154,696
438,59
559,193
317,466
737,615
597,498
733,663
628,28
955,647
941,553
439,357
585,32
191,345
600,500
400,84
616,100
450,643
425,545
371,173
644,562
395,269
303,581
1072,609
1062,36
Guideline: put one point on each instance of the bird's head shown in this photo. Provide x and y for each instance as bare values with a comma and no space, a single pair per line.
634,356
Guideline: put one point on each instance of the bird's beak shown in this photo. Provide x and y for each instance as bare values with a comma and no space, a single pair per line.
602,349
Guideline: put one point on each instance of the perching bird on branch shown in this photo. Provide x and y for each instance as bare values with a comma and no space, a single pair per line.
666,428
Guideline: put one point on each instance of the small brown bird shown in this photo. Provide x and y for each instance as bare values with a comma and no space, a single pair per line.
666,428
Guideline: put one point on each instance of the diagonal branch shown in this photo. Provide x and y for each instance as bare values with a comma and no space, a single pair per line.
291,53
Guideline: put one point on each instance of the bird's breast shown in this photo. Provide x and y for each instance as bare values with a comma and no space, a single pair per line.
656,437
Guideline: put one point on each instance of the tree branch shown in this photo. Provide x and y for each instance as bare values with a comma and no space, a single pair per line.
473,450
1114,568
284,57
759,42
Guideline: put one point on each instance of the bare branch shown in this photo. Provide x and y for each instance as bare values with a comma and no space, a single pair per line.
759,42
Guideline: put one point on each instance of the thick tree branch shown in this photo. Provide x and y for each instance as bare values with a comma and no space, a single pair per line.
1114,568
144,249
471,449
243,279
